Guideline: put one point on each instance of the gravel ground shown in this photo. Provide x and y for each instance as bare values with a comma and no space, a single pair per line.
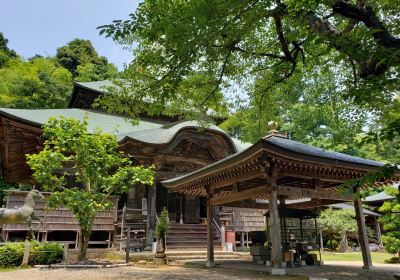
226,270
148,273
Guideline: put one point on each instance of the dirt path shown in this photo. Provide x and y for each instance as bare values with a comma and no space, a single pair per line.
133,273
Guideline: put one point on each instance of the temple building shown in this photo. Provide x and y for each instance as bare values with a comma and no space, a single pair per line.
174,147
210,182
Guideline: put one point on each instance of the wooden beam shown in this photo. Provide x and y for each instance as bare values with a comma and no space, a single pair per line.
282,190
236,196
311,204
311,193
236,179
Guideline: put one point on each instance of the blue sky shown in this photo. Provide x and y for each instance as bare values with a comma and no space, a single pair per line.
41,26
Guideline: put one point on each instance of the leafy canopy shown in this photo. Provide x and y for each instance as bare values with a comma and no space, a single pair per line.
82,60
82,170
235,44
338,221
36,83
391,221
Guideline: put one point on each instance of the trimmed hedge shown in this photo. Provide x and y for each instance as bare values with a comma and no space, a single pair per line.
11,254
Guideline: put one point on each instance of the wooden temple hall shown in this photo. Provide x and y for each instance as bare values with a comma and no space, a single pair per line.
277,174
216,188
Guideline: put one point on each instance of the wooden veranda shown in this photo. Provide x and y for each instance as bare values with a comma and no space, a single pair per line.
277,170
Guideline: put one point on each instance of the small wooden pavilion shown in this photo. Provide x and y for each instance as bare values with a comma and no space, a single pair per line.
277,169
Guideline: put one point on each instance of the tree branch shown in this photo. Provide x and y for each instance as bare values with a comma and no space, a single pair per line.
236,48
281,37
221,75
370,19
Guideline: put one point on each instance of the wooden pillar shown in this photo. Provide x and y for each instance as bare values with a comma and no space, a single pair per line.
242,239
210,239
275,232
127,244
77,240
362,232
151,214
378,231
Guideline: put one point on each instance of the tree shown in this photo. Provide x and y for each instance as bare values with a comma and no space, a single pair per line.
5,52
341,222
391,222
314,112
94,72
97,169
38,83
81,59
239,42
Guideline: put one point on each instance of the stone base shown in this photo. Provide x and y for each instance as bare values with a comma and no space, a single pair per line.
278,271
210,264
160,255
160,260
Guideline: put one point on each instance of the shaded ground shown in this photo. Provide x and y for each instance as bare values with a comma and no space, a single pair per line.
226,270
150,273
332,270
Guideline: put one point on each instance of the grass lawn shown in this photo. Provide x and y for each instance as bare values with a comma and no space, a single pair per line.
377,257
3,269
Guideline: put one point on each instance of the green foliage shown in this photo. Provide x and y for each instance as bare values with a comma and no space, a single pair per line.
238,44
5,187
45,253
393,260
94,72
83,61
162,226
98,170
5,52
391,222
338,221
11,254
38,83
332,244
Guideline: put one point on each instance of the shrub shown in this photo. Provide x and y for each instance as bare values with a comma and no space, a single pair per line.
332,244
11,254
393,260
162,225
46,253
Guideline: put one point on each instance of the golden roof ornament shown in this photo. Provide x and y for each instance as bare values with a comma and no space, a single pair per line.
273,125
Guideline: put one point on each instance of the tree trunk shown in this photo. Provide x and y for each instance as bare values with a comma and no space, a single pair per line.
160,249
344,244
84,236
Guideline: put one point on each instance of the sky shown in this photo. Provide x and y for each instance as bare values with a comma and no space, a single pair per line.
41,26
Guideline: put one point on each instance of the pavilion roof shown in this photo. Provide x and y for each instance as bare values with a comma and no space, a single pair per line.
285,146
298,170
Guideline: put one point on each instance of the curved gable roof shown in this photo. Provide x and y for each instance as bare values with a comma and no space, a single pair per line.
146,131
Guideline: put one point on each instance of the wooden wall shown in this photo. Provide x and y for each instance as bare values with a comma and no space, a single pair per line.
59,219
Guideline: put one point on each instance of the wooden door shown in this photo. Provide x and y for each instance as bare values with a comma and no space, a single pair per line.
192,209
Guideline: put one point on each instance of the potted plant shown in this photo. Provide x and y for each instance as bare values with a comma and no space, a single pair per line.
162,228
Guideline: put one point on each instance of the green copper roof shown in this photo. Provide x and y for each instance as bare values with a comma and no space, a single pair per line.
108,123
99,86
146,131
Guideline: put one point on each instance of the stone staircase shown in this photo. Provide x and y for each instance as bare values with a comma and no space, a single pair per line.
190,237
184,256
